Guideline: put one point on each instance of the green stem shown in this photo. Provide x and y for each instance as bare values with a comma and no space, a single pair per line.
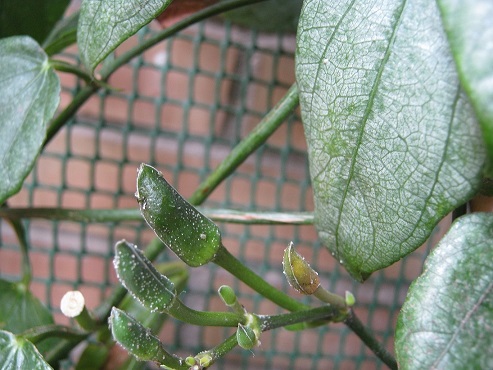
228,262
248,145
333,299
369,339
20,232
133,214
65,67
39,333
108,69
202,318
278,321
222,349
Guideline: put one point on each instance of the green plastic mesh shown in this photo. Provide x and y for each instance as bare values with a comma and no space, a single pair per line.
182,107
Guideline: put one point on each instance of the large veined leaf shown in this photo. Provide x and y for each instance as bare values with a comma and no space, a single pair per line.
33,18
18,353
446,321
469,27
29,96
20,309
392,142
103,25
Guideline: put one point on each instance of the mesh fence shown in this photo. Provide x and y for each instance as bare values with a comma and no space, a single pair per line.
181,107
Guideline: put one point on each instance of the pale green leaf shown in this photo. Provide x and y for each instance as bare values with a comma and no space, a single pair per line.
469,27
29,96
103,25
446,321
393,144
20,309
18,353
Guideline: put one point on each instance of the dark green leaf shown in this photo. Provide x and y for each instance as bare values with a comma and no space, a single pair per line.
187,232
29,96
18,353
33,18
64,34
154,290
447,319
19,309
393,143
93,357
469,27
138,340
268,16
103,25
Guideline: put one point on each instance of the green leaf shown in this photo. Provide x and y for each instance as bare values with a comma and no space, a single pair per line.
18,353
187,232
469,29
152,289
33,18
64,34
446,321
29,96
138,340
103,25
20,309
93,357
392,141
268,16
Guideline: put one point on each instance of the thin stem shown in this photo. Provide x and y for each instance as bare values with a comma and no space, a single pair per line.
369,339
228,262
65,67
203,318
328,297
248,145
313,314
222,349
133,214
20,232
58,122
39,333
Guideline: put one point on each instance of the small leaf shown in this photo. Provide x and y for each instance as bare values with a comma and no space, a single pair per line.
392,141
446,321
139,341
187,232
33,18
20,310
152,289
298,272
29,96
18,353
470,33
268,16
103,25
64,34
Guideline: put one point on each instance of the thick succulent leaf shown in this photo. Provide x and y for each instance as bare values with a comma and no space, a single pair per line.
18,353
393,144
33,18
469,27
139,341
446,321
268,16
151,288
103,25
19,309
187,232
29,96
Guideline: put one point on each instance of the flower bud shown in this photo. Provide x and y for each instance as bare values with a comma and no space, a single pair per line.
246,337
300,275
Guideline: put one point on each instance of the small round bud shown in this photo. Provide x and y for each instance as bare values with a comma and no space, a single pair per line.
72,303
350,300
227,294
246,337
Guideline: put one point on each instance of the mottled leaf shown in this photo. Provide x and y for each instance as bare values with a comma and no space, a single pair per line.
29,96
446,321
393,143
18,353
103,25
469,27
